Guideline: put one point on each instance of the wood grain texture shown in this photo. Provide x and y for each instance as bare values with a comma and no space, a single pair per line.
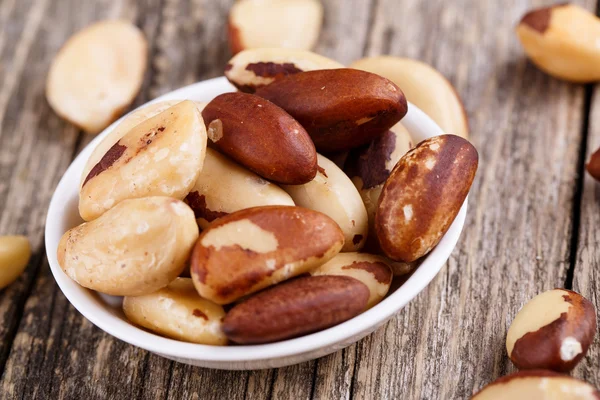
518,240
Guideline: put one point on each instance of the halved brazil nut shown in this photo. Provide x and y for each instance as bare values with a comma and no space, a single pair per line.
370,269
262,137
333,194
537,384
177,311
552,331
339,108
135,248
224,187
251,249
255,68
423,195
562,40
97,74
15,252
295,308
275,23
423,86
161,156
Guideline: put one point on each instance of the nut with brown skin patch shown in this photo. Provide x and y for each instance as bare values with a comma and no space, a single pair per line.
262,137
161,156
291,24
178,312
97,74
224,187
593,166
423,86
369,167
135,248
251,249
423,195
339,108
553,39
537,384
298,307
333,194
254,68
552,331
370,269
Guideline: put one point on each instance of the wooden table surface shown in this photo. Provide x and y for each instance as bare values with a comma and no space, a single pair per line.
532,223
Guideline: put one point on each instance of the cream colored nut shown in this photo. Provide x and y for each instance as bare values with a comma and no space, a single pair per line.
135,248
562,41
177,311
225,187
255,68
15,252
332,193
424,87
293,24
537,384
162,156
97,74
552,331
372,270
251,249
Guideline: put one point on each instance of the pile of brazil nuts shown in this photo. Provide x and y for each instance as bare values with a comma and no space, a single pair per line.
228,221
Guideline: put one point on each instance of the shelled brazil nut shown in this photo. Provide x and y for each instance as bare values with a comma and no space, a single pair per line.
178,312
161,156
537,384
135,248
552,331
224,187
374,271
339,108
298,307
254,68
332,193
251,249
262,137
423,195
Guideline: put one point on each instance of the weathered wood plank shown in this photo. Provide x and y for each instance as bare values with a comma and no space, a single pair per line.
586,278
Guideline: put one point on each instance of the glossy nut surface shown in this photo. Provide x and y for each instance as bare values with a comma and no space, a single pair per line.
224,187
562,40
333,194
177,311
537,384
277,23
262,137
97,74
552,331
255,68
423,86
251,249
162,156
593,166
295,308
369,269
339,108
15,252
135,248
423,195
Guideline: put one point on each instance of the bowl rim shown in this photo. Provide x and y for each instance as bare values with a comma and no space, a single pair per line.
87,303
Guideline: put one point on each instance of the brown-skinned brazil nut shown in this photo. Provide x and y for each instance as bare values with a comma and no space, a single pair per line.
423,195
552,331
262,137
251,249
339,108
537,384
295,308
593,166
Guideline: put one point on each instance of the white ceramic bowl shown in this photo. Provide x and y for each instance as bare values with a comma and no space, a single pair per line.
105,311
